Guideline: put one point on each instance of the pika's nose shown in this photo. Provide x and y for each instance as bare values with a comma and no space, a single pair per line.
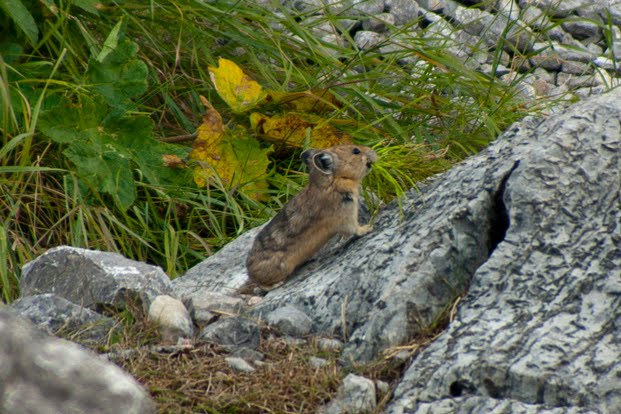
371,158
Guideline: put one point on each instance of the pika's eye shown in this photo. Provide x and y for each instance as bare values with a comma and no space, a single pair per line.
355,151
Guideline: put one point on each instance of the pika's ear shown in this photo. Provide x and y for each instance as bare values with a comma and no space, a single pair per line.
307,155
324,162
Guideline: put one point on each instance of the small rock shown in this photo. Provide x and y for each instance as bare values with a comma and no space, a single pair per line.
208,304
248,354
582,29
171,317
379,23
318,362
368,7
554,8
576,68
575,81
290,321
403,11
433,5
382,387
605,63
234,332
239,365
368,40
253,300
548,58
329,344
355,395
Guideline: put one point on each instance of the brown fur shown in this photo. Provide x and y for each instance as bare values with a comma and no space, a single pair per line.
326,207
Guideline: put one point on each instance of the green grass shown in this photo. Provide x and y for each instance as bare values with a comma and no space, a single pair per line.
421,116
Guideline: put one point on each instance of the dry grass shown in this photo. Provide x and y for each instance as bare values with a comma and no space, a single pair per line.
200,381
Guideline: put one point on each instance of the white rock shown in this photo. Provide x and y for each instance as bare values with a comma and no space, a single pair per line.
171,316
356,395
239,364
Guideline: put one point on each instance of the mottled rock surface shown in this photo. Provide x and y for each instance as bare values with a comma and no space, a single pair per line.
233,333
539,330
356,395
44,375
58,316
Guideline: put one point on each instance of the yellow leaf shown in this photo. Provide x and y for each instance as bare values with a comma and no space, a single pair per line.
235,87
310,101
293,130
228,156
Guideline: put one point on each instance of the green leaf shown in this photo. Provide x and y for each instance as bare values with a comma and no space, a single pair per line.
69,122
88,5
136,134
106,167
120,75
22,18
112,41
107,149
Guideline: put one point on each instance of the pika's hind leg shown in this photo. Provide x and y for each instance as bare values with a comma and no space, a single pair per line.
269,270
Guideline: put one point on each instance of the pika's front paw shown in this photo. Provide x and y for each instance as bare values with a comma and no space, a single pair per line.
362,230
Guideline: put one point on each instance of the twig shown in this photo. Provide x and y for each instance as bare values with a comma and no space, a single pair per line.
179,138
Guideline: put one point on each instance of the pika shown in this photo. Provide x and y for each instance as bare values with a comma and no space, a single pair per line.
327,206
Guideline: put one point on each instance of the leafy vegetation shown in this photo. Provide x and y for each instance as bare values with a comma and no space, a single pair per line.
100,105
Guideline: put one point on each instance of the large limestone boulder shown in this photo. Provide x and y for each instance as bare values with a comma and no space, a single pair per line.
530,228
40,374
540,326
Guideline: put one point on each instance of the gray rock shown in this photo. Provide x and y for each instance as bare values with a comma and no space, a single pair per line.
575,81
93,279
380,23
356,395
232,333
367,7
608,64
239,365
57,316
403,11
382,387
614,52
208,305
367,40
577,68
435,6
555,8
583,29
223,272
508,8
539,326
329,344
248,354
291,321
318,362
45,375
492,27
